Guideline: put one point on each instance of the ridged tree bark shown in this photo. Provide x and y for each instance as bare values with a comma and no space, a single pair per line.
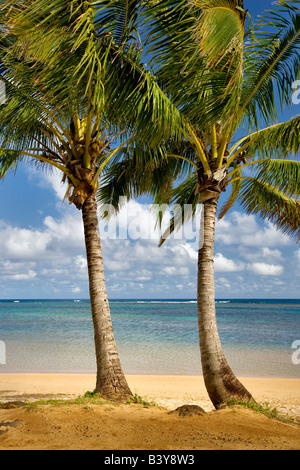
221,383
111,381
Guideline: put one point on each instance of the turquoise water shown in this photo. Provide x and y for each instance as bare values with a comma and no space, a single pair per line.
153,337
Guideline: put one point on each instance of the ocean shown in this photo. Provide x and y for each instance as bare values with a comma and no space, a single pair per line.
259,337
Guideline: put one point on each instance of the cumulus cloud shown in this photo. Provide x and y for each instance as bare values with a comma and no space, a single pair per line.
75,290
21,244
21,276
136,221
51,179
244,230
175,271
223,283
51,259
261,254
223,264
41,260
266,269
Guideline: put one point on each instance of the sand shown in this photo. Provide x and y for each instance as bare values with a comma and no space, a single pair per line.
136,427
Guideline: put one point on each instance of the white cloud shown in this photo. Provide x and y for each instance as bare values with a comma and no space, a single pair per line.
51,178
80,262
223,264
223,283
75,290
260,254
53,257
46,257
22,244
115,266
176,271
242,229
266,269
267,253
68,230
26,276
193,255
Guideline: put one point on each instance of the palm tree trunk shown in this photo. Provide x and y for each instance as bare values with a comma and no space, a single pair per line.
111,381
221,383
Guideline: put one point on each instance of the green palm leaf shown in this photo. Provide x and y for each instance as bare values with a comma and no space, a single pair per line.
236,186
272,204
185,203
281,174
198,64
122,16
272,60
281,140
135,171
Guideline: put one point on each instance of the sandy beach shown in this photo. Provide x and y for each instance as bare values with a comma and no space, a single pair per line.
80,426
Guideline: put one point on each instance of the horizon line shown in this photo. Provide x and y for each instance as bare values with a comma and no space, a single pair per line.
14,299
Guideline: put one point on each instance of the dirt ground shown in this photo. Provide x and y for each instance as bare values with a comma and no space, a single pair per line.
105,426
135,427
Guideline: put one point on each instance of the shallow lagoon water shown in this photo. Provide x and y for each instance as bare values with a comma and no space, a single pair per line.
153,336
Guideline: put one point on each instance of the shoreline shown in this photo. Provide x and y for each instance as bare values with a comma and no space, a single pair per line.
146,374
168,391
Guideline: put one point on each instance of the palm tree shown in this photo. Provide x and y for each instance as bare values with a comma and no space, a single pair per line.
221,72
75,87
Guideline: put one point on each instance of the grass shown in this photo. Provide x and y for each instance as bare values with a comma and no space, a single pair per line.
93,398
264,409
75,401
89,398
136,399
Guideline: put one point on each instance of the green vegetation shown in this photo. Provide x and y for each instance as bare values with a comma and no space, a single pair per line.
89,398
81,400
264,409
136,399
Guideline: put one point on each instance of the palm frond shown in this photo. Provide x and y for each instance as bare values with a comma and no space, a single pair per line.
272,64
122,16
220,29
9,161
281,174
259,197
197,63
184,198
281,140
236,185
137,171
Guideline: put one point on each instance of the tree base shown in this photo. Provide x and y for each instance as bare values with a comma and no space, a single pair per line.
224,387
116,390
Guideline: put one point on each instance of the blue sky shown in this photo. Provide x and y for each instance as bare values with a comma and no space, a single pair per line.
42,248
